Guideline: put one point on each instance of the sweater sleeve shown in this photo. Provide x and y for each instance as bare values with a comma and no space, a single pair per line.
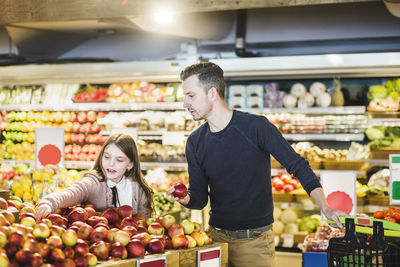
141,198
273,142
75,194
198,182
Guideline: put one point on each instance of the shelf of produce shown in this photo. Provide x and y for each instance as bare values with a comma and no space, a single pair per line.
96,107
324,137
312,110
387,122
167,166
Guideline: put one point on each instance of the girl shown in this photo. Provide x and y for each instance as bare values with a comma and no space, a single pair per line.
114,180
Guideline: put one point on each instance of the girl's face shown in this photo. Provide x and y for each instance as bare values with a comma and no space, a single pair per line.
115,163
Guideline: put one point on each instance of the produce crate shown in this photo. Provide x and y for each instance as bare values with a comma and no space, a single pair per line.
188,257
378,200
344,165
4,192
281,197
172,260
360,201
384,152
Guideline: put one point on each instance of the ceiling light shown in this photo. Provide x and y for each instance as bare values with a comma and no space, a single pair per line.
163,17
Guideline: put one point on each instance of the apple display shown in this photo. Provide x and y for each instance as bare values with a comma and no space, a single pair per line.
128,221
90,211
99,233
84,231
179,241
122,237
156,245
111,214
81,247
118,250
92,221
77,214
175,229
41,230
100,249
143,237
131,230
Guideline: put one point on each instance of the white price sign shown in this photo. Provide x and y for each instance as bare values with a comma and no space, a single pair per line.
49,146
153,262
173,138
394,183
209,257
340,190
128,131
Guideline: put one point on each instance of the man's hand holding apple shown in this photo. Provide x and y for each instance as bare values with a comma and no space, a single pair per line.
179,193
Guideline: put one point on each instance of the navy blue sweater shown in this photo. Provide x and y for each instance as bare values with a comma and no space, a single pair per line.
235,164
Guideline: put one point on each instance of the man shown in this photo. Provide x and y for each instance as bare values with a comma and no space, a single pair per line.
230,155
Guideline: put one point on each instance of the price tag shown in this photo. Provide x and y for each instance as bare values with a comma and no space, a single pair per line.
288,240
209,257
129,131
340,190
49,147
394,182
153,262
173,138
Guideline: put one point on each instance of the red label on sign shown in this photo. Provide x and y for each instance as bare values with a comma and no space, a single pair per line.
155,263
213,254
364,221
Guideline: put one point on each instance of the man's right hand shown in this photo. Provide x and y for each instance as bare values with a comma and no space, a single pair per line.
183,200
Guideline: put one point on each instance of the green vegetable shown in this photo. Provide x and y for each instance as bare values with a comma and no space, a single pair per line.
375,132
377,91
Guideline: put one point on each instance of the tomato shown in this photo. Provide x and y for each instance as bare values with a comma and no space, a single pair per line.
379,214
396,215
388,212
390,219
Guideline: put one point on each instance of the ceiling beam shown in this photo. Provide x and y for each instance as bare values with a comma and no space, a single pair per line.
25,11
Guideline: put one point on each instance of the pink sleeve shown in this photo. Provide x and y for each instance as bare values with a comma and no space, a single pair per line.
141,200
73,195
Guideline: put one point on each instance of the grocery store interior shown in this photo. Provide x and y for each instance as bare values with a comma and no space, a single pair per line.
326,73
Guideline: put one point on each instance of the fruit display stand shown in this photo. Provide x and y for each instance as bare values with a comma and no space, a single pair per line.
180,257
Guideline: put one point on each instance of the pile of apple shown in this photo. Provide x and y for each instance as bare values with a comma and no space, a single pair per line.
284,183
80,236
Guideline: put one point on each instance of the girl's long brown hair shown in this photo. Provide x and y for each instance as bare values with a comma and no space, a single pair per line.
129,148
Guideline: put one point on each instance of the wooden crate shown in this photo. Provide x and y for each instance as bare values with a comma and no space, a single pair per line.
344,165
378,200
384,152
188,257
281,197
172,260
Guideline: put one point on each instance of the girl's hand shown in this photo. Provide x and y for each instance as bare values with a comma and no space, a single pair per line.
42,212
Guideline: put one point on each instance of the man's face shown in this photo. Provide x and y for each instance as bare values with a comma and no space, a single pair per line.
196,100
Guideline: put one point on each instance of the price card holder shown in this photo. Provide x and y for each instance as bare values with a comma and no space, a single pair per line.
153,262
173,138
394,182
209,257
340,190
49,147
129,131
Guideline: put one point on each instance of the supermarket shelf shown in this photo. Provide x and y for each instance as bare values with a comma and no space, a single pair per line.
313,110
384,122
168,166
96,107
17,162
381,162
148,135
324,137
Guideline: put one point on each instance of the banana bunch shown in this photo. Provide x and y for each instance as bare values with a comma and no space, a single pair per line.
361,190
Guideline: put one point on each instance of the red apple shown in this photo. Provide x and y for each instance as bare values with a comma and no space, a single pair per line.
128,221
156,229
288,188
295,183
16,238
111,234
81,261
90,211
175,229
286,178
101,249
24,256
54,241
81,248
84,231
77,214
156,246
69,252
56,230
57,255
101,224
143,237
92,221
135,248
56,219
118,250
180,190
131,230
99,233
139,217
66,263
37,260
43,249
30,244
125,211
179,241
111,214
